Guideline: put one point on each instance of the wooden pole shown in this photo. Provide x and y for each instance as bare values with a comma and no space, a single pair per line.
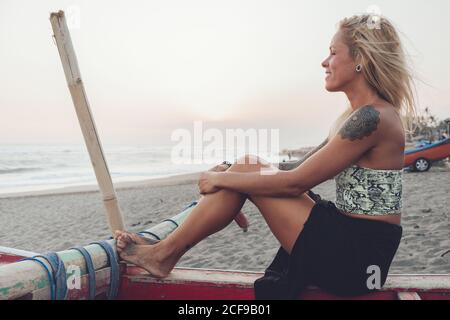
80,101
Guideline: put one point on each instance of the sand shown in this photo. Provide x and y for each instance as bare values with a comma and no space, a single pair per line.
58,219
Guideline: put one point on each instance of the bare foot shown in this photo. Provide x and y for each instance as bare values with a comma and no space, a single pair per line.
124,238
143,252
147,257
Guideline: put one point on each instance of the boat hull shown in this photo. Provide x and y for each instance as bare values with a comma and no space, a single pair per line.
432,152
209,284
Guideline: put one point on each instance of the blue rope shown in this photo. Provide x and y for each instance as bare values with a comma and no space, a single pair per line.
150,233
90,271
191,205
142,233
49,275
170,220
57,276
114,267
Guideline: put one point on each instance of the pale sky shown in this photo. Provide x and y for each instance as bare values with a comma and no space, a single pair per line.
150,67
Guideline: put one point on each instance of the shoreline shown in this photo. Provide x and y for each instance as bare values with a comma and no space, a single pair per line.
175,179
169,180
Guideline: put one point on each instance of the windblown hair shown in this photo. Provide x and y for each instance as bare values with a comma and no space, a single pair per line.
375,44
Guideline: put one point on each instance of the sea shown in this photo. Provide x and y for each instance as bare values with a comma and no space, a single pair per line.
27,168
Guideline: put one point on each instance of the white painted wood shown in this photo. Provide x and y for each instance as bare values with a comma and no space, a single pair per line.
17,252
408,296
418,281
102,278
86,120
247,278
189,275
24,277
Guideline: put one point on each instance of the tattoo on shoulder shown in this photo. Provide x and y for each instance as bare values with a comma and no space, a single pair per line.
362,124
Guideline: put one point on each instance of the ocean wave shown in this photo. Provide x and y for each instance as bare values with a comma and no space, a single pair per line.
16,170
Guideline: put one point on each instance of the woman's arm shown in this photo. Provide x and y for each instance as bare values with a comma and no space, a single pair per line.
359,134
280,184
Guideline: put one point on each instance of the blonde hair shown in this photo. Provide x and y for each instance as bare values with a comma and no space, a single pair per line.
374,43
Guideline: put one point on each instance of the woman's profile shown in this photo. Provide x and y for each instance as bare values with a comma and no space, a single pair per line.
339,245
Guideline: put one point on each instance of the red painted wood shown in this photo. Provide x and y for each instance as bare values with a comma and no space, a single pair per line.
159,291
151,291
434,295
135,285
9,258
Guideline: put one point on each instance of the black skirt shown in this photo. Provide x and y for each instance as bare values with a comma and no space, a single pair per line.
337,253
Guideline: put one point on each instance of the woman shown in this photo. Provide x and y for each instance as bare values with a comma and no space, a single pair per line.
337,246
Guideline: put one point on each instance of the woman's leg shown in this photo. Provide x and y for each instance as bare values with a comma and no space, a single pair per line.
285,217
213,213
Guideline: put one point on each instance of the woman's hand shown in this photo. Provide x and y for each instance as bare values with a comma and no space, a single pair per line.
206,182
240,218
220,167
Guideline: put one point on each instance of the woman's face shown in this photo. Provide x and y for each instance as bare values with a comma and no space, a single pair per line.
339,66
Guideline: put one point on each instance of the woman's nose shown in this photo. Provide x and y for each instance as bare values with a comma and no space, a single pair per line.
325,63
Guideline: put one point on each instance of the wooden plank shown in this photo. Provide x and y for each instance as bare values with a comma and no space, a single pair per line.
86,120
412,283
418,282
191,275
408,296
189,283
16,252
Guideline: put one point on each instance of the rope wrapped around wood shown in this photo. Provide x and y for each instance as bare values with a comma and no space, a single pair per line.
90,271
57,276
114,267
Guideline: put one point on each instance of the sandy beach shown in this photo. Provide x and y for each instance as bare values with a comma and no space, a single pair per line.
58,219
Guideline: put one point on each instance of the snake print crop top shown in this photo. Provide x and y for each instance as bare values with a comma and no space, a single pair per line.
369,191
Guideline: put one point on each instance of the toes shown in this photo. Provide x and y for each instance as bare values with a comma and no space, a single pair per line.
120,243
119,234
124,238
128,237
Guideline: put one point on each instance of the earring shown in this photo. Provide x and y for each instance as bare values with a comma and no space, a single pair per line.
358,68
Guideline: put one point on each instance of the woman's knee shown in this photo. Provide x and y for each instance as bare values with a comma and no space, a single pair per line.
249,159
249,163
